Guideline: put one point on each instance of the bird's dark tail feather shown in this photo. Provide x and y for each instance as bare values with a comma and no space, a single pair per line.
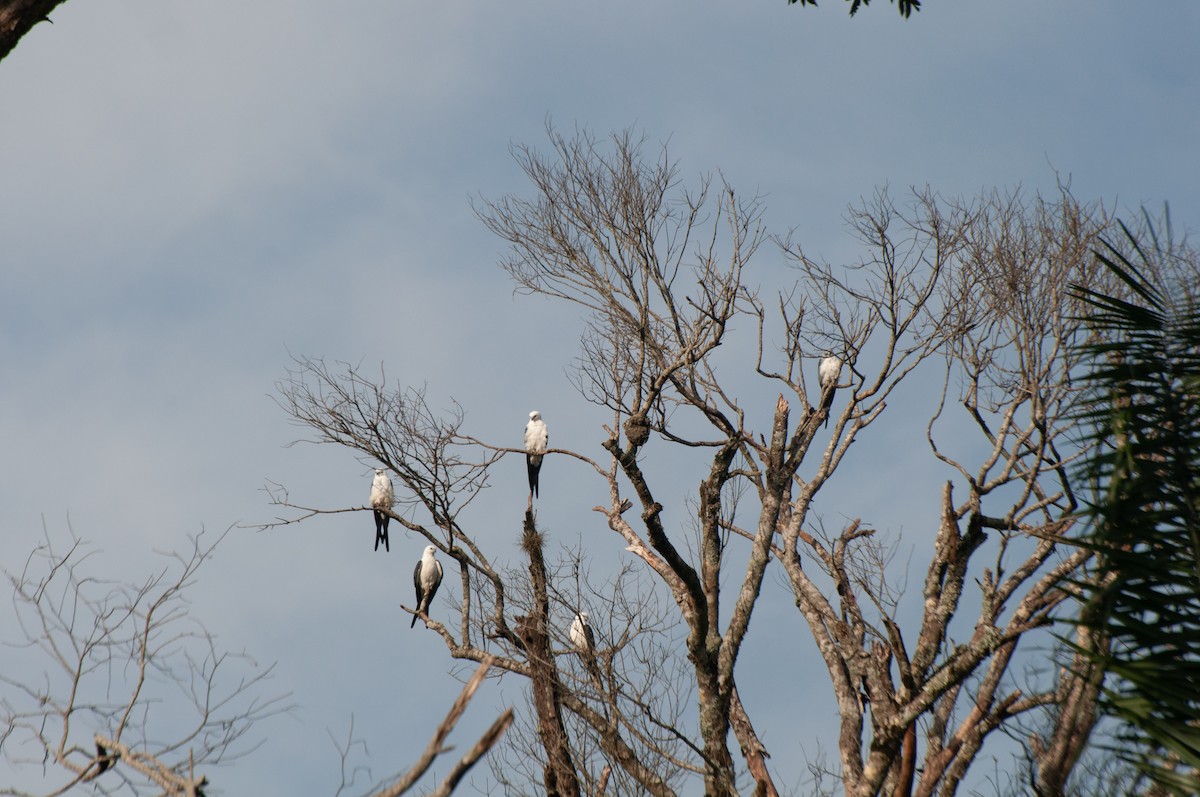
589,663
534,466
826,403
381,531
413,624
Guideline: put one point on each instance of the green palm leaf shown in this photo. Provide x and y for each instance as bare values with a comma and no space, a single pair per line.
1141,403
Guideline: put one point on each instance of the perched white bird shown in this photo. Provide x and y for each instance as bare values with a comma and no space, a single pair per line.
382,499
427,577
585,645
828,373
536,439
581,634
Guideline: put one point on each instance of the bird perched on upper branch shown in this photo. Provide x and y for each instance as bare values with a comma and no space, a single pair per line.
536,439
828,373
382,499
427,577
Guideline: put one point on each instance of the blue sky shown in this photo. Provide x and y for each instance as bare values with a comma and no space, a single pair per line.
190,193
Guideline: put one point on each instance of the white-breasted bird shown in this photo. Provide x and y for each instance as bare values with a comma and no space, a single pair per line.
581,634
536,439
427,577
828,373
585,645
382,500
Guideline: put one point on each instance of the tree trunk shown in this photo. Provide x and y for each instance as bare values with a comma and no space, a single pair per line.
560,774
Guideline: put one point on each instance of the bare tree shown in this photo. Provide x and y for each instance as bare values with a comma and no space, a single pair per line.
131,691
994,275
503,615
972,292
136,696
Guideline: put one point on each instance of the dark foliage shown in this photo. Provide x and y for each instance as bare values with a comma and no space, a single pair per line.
1142,410
906,7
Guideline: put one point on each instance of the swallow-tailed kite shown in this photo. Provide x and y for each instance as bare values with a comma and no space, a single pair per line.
536,438
581,634
381,503
828,373
427,577
585,645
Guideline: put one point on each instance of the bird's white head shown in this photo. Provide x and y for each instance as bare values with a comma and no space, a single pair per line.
535,416
379,471
584,617
430,551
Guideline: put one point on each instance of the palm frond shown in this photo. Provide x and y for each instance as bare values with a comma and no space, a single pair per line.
1142,404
